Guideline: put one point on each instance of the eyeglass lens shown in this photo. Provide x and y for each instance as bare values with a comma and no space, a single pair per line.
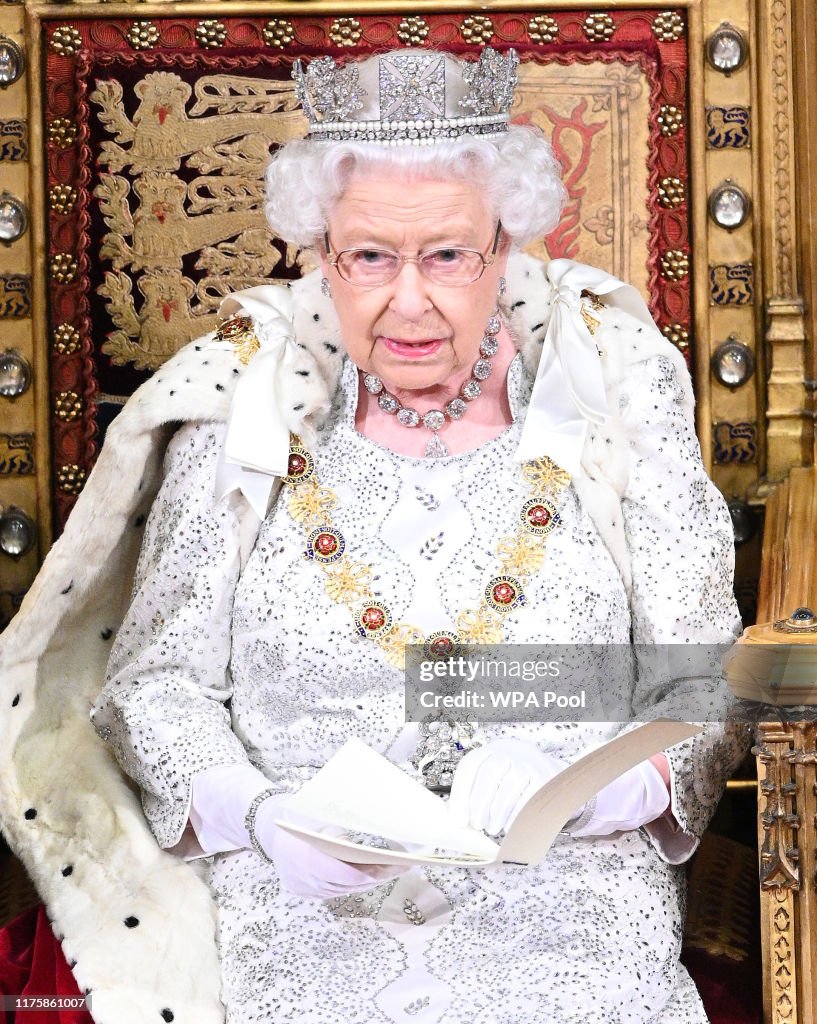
442,266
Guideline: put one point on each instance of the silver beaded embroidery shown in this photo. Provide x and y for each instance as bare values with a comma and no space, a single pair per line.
556,942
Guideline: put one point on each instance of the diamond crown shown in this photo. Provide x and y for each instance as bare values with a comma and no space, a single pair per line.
408,97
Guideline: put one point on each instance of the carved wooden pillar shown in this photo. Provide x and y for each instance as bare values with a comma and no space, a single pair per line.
805,68
779,873
788,431
804,761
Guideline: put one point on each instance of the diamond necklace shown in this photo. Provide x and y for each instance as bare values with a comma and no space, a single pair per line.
434,419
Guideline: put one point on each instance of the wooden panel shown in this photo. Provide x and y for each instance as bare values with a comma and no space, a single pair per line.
789,572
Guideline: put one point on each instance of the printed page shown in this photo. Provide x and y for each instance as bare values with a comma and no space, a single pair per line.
360,791
539,822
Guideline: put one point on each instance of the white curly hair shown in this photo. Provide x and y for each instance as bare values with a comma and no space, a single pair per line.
517,171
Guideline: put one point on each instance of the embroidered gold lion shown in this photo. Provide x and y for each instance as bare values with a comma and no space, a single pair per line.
162,131
156,221
151,335
162,233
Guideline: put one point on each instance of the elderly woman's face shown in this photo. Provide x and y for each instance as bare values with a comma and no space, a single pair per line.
412,332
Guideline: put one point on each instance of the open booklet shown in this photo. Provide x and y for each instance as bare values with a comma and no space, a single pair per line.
361,807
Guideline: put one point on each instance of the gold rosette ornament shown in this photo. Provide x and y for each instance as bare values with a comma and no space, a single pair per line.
350,581
311,504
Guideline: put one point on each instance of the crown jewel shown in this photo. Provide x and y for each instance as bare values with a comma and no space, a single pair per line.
411,87
411,97
327,91
492,80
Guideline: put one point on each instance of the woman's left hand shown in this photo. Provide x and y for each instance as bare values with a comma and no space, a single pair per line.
635,798
493,783
309,872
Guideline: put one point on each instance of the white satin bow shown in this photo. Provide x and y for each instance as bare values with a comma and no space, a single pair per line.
256,448
568,393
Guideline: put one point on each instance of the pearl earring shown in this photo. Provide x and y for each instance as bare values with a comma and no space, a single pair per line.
327,291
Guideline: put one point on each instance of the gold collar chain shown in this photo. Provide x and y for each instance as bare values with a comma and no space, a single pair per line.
348,581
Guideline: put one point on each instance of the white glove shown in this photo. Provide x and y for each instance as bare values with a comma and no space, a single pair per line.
309,872
221,797
492,783
635,798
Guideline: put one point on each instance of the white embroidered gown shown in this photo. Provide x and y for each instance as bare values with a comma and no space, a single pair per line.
591,934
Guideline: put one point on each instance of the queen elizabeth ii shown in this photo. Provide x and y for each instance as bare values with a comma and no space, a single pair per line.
406,416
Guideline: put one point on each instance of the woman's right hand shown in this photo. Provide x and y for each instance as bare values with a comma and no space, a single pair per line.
307,871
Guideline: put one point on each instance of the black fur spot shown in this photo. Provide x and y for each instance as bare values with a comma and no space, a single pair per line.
330,347
298,407
536,327
302,373
106,633
67,870
167,1015
68,588
219,387
516,305
197,348
30,814
16,701
131,922
316,317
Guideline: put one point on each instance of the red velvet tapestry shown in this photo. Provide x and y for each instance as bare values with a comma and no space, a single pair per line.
159,130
